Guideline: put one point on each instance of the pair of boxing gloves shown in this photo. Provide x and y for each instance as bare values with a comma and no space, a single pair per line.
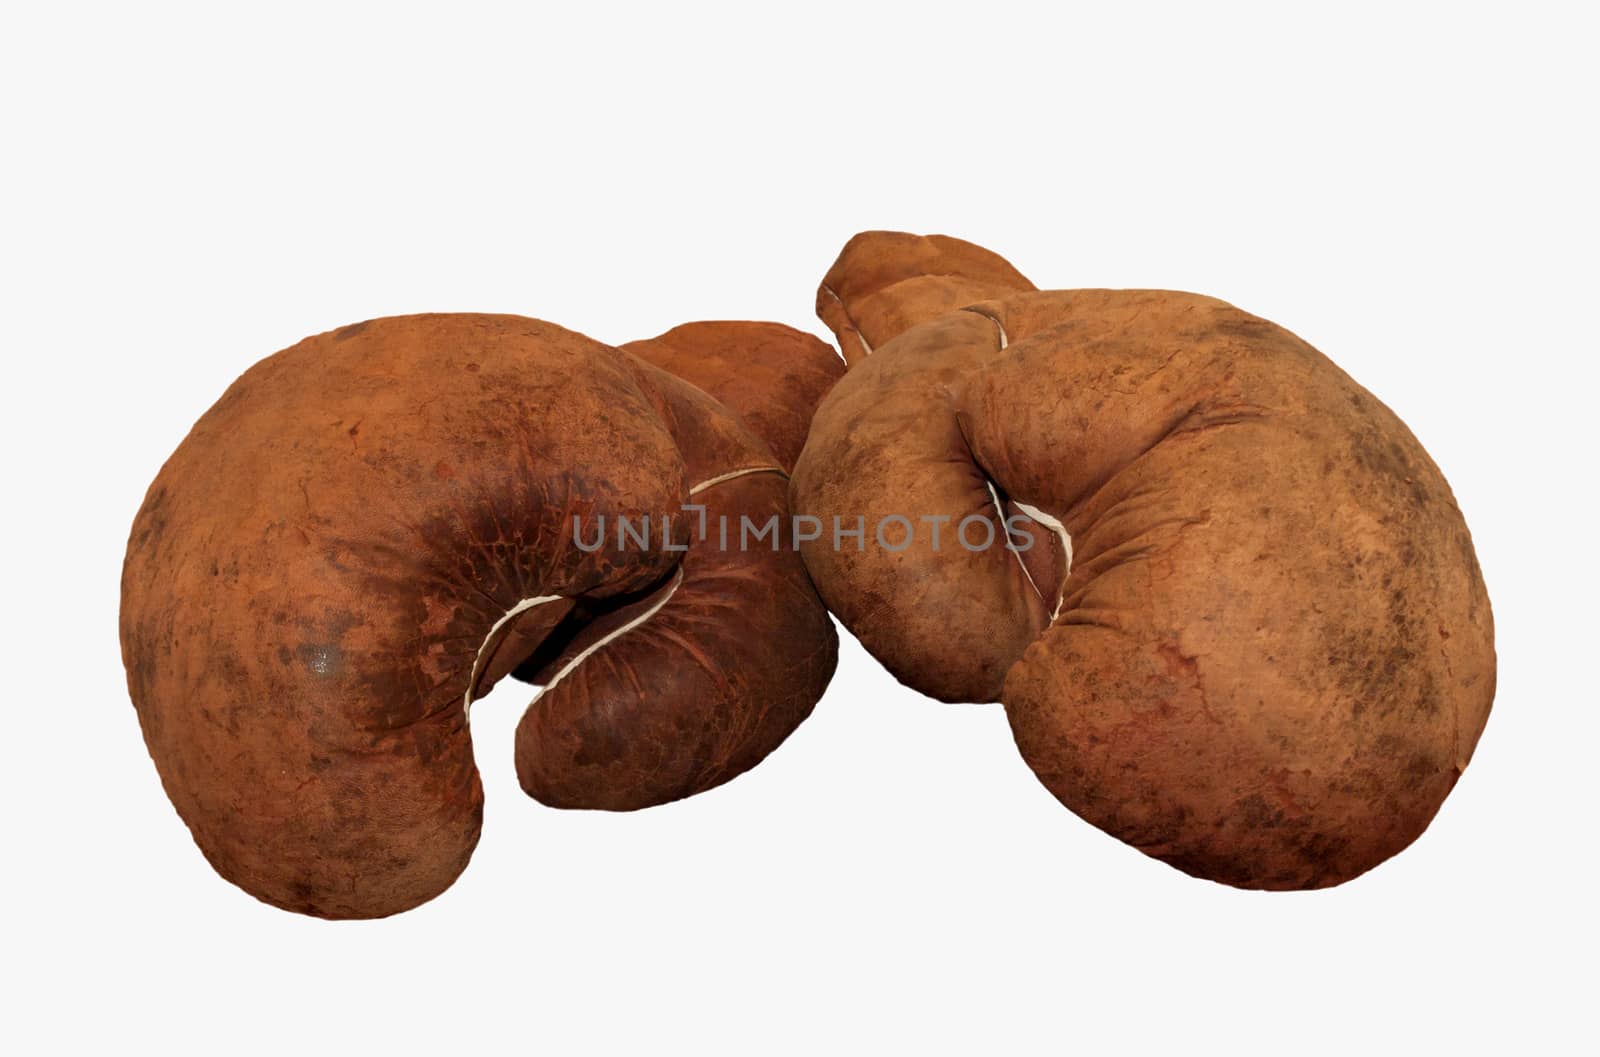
1227,600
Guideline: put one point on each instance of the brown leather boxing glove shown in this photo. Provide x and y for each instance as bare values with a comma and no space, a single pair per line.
370,528
1248,633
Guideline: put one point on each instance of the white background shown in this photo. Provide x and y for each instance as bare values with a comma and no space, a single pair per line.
186,191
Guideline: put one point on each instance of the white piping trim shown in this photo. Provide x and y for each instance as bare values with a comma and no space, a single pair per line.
731,474
994,497
629,626
1005,339
865,348
1066,546
528,603
521,607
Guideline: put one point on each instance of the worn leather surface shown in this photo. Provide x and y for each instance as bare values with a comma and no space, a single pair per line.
1274,651
770,375
314,575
